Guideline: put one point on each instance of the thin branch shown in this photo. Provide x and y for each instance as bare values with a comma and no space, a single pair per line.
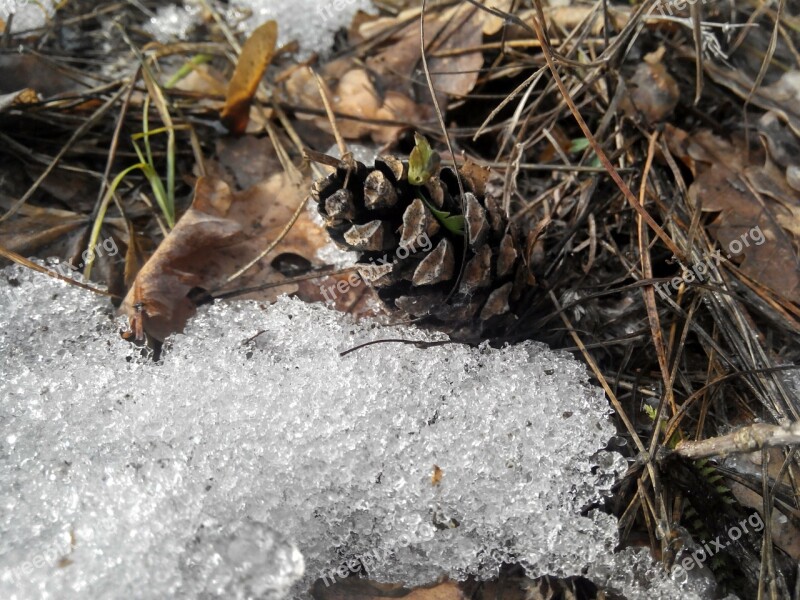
748,439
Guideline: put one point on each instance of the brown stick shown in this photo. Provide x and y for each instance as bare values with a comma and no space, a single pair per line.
747,439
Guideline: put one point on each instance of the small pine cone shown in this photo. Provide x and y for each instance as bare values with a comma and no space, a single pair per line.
412,250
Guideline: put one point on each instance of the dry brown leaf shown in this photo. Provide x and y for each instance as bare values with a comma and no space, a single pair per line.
383,91
771,181
452,40
443,591
718,167
138,252
73,189
355,94
203,80
653,92
568,17
256,55
354,588
493,25
780,176
781,98
219,234
785,533
400,108
781,143
47,232
247,160
27,234
21,71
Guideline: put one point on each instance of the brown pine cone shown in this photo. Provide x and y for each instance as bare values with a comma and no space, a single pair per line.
411,241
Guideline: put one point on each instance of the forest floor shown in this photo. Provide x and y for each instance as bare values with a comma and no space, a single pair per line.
617,181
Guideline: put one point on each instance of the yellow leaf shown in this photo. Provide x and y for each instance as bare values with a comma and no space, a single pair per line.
256,56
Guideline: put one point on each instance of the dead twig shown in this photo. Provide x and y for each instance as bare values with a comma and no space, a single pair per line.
747,439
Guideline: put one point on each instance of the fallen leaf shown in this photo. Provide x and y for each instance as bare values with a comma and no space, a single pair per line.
356,96
219,234
47,232
492,25
781,143
247,159
204,80
567,18
353,588
32,71
399,108
718,167
74,189
137,254
652,91
781,98
453,39
383,89
27,234
443,591
570,17
254,59
785,532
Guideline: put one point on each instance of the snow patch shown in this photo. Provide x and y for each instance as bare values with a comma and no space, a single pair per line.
28,14
312,23
253,442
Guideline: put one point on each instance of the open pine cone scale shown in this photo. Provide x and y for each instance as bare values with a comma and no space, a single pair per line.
411,241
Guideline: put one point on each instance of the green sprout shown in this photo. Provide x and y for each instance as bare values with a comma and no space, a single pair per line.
424,163
164,195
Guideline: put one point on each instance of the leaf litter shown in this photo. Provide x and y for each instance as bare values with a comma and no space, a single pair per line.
682,355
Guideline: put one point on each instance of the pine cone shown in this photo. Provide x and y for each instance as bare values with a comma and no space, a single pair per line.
411,240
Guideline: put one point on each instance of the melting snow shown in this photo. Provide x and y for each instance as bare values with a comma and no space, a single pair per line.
312,23
253,459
